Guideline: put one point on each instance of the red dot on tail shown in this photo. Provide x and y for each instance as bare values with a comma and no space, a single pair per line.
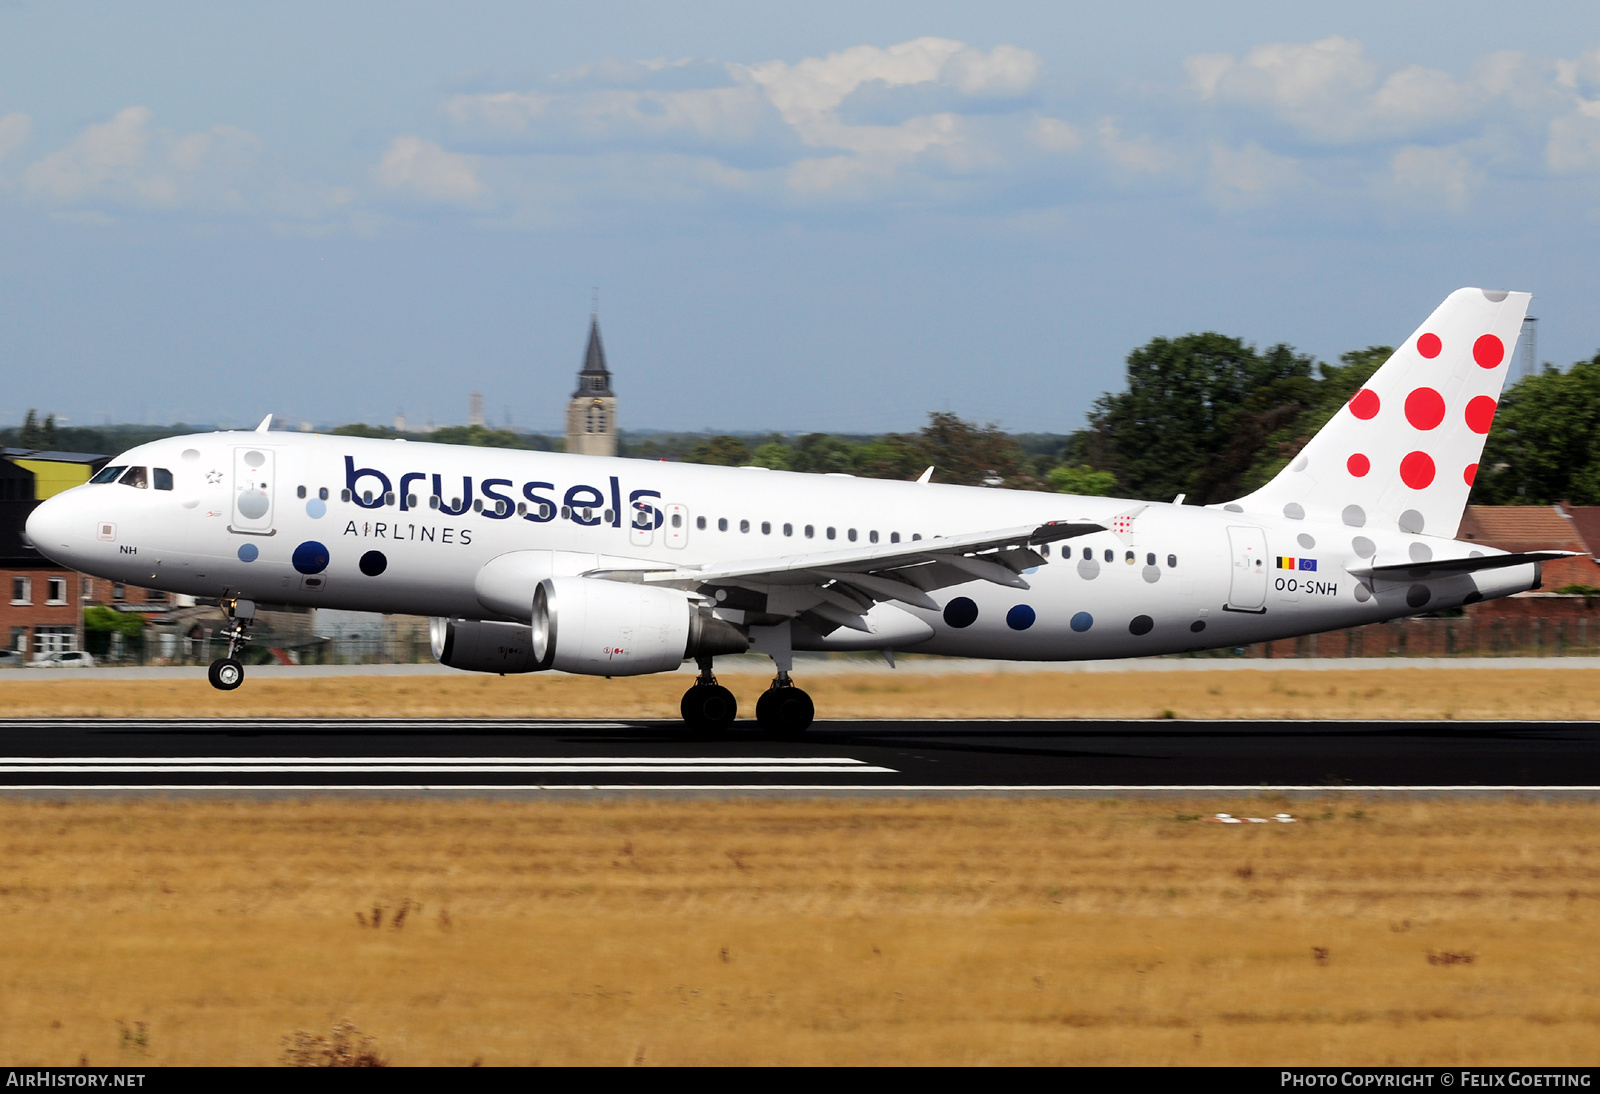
1424,408
1470,473
1488,351
1416,470
1364,404
1429,345
1480,414
1358,465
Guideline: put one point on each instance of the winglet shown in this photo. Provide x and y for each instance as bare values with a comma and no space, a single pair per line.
926,477
266,425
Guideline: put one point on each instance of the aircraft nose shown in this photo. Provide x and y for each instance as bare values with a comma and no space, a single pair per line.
54,529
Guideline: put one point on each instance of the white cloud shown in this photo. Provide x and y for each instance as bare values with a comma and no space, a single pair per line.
1055,135
14,130
1574,143
421,169
127,161
1251,171
1329,90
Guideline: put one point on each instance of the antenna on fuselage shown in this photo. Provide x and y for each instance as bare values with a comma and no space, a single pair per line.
266,425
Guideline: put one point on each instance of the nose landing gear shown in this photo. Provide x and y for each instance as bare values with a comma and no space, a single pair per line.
227,673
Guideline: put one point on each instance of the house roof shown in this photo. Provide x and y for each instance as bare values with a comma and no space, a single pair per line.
1520,528
1586,520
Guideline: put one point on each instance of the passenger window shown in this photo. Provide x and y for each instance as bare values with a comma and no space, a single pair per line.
722,524
1150,559
677,520
299,491
411,501
766,528
811,531
109,474
872,536
388,499
344,495
744,526
915,536
1172,562
1109,555
433,501
852,534
566,512
894,537
163,479
323,494
609,515
1128,557
788,529
137,476
366,496
832,534
1045,550
700,523
522,506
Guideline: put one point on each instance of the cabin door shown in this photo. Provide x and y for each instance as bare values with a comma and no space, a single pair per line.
1248,590
252,491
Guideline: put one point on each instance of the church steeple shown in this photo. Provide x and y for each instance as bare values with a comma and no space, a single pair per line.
594,379
592,411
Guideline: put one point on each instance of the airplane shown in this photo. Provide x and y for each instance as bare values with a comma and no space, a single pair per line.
534,561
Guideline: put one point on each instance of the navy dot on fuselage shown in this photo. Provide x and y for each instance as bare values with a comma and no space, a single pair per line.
961,612
310,557
1020,618
373,563
1082,622
1141,624
249,552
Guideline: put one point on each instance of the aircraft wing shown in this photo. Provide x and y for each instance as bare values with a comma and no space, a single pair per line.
1403,570
839,587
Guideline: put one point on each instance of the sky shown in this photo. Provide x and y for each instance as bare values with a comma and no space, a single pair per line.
836,216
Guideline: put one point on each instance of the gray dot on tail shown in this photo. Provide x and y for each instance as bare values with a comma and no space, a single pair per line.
1421,552
1354,516
1152,574
1294,511
1474,554
1411,521
1300,464
1305,541
1363,593
1494,296
1418,595
1234,508
1363,547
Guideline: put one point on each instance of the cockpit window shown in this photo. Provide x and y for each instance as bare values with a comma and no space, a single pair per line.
163,478
109,474
137,476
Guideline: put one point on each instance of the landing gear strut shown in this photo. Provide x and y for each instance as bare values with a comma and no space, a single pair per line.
783,709
227,673
708,705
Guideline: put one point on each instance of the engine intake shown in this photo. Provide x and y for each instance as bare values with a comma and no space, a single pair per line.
609,628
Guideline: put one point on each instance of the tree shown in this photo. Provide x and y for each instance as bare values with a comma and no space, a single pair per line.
1196,411
1082,479
970,455
35,435
1545,444
724,450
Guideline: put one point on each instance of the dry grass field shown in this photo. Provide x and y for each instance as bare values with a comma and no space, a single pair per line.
642,931
1333,693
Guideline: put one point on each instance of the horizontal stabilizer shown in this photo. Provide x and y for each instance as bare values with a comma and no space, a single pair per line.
1461,565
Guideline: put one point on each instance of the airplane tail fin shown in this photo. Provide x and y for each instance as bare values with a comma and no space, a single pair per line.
1404,450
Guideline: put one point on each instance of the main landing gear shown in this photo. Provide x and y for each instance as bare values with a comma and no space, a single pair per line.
784,709
227,673
708,705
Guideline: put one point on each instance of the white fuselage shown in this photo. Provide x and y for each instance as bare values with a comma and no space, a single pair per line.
285,518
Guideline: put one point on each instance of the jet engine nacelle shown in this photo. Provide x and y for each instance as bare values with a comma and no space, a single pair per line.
615,628
482,646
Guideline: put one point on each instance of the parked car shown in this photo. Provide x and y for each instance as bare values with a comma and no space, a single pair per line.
11,659
68,659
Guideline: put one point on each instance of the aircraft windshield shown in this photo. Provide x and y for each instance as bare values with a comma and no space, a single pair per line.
163,478
137,476
109,474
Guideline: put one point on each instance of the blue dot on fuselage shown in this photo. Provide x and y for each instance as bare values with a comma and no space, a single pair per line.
310,557
248,552
316,508
961,612
1082,622
1020,618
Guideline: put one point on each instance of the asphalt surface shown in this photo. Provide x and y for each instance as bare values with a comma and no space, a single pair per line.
295,754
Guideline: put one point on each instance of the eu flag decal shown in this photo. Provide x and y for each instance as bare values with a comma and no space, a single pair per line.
1308,564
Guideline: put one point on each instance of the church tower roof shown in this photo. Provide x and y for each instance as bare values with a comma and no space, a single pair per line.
594,379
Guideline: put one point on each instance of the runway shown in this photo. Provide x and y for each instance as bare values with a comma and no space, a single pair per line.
869,756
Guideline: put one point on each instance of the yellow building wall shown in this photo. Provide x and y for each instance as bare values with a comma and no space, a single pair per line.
51,478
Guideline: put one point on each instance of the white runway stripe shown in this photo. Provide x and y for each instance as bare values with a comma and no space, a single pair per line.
759,788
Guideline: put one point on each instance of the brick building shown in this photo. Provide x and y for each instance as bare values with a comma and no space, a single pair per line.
41,603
